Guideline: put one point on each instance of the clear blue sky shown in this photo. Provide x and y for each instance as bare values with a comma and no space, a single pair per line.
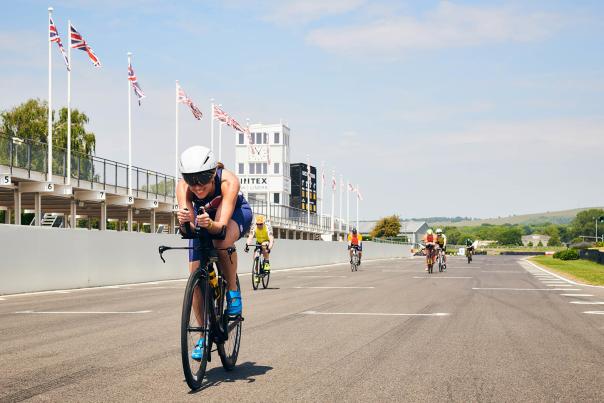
479,108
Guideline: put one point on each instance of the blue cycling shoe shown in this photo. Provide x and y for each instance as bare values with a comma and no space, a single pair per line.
234,304
197,353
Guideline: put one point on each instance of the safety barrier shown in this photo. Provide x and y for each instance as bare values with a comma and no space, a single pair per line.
592,254
41,259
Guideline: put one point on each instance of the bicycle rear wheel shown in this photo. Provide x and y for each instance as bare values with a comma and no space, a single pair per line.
229,350
195,324
266,278
256,273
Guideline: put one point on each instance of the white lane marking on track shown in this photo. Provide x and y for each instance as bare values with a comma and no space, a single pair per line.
594,312
587,302
375,314
542,270
337,287
559,285
302,277
438,277
2,299
502,271
81,312
528,289
577,295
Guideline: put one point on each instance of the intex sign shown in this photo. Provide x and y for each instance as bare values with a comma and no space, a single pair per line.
254,184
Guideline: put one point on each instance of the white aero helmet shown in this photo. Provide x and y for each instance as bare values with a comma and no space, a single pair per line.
197,165
439,231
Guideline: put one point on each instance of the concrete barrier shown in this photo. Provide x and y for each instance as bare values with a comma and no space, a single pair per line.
41,259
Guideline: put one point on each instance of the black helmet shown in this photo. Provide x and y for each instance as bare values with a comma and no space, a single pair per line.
354,230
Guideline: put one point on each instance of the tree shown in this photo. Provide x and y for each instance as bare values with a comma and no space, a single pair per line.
30,121
509,236
530,244
585,223
554,240
540,244
387,226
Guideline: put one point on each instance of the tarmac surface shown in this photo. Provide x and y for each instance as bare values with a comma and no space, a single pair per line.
498,329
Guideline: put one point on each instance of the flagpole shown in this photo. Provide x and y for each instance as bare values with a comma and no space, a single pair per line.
69,103
340,200
333,201
322,193
49,139
347,206
220,142
129,131
176,142
212,125
358,198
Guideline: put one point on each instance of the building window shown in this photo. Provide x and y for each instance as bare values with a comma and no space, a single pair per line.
258,138
252,168
276,198
240,138
241,169
276,168
276,137
264,138
252,138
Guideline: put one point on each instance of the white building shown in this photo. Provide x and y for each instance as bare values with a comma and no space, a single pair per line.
262,163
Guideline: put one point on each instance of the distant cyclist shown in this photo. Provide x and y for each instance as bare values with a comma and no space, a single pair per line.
264,237
441,241
469,245
429,243
355,240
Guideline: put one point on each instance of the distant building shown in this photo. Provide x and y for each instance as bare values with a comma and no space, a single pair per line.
413,230
535,239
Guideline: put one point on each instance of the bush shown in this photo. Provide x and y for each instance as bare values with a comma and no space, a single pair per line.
540,244
530,244
567,254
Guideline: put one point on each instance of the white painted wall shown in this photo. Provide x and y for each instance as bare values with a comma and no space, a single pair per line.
40,259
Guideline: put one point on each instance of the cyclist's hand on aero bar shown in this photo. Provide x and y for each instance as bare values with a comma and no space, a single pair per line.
203,220
184,215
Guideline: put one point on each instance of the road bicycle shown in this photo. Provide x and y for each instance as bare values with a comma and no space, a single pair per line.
469,254
258,272
354,261
204,311
430,257
440,258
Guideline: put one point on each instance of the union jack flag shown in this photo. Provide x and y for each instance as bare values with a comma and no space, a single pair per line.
350,187
235,125
137,89
334,183
53,36
221,115
359,194
77,42
184,99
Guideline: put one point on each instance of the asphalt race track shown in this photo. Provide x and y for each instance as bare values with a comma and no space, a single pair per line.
495,330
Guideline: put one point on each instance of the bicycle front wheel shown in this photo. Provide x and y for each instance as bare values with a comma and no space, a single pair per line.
195,325
229,350
256,273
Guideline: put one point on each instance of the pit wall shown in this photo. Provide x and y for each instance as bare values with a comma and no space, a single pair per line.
40,259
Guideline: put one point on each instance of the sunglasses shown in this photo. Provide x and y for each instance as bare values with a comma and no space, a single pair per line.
199,178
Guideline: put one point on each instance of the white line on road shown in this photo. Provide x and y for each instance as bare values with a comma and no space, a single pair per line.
577,295
302,277
542,270
594,312
559,285
82,312
336,287
375,314
528,289
587,302
437,277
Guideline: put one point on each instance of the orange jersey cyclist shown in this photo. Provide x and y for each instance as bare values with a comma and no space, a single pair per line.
355,240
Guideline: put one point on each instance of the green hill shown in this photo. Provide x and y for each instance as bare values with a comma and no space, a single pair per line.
555,217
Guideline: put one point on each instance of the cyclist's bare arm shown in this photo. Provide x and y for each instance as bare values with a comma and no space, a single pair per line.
230,190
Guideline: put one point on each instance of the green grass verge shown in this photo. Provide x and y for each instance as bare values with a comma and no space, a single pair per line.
583,271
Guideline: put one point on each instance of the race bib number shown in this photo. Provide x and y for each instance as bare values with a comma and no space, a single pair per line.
5,180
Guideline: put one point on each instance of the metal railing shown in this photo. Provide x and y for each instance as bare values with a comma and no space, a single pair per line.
32,155
282,216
